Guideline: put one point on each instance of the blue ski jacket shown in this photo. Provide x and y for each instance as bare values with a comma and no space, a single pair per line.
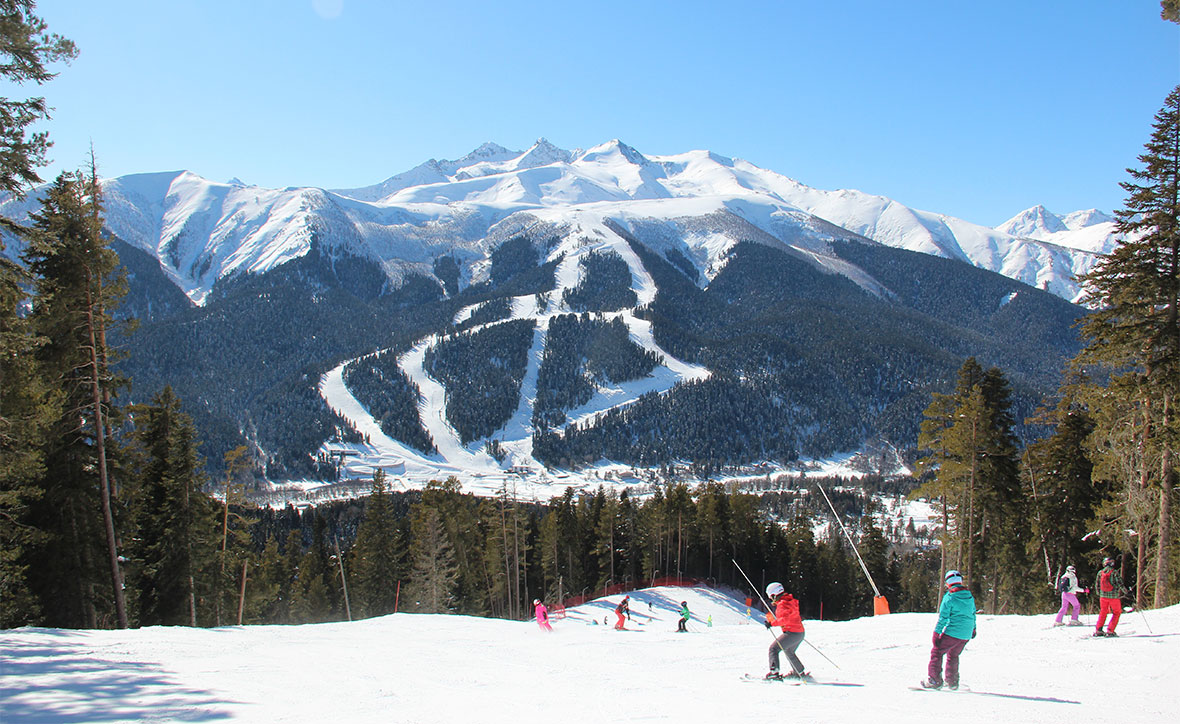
956,614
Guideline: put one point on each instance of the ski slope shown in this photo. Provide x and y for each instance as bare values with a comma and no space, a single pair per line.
443,669
479,471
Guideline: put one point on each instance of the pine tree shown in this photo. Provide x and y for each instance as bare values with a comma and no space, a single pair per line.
377,556
176,528
1064,492
26,48
313,598
234,556
1135,332
971,462
435,572
27,404
77,286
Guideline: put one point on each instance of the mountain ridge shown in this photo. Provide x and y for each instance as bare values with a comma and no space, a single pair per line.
204,231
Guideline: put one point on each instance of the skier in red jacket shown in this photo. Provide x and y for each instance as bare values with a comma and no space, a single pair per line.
622,611
786,615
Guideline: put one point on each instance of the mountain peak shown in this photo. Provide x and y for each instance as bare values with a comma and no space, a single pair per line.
615,147
1034,223
1088,217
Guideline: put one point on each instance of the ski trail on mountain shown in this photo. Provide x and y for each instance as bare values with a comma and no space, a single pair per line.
515,436
432,410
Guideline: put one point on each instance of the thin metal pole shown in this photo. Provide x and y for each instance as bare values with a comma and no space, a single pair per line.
863,567
767,605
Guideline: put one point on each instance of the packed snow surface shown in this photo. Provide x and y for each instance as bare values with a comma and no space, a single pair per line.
434,668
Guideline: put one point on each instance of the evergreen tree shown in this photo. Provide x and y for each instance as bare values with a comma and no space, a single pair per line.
313,595
27,404
76,288
972,460
26,48
1135,331
234,555
376,558
1064,492
174,546
435,571
26,396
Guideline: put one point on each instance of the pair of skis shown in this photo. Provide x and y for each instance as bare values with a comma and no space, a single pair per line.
796,681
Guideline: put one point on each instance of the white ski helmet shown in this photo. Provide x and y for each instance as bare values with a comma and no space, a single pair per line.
774,589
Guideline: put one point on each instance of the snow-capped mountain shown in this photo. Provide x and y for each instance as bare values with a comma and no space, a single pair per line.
203,231
549,310
1088,231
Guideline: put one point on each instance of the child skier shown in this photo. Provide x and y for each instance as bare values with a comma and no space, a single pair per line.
542,615
786,615
684,614
1109,585
955,627
1067,585
622,611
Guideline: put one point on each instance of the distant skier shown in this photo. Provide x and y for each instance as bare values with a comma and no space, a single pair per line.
542,615
955,627
1109,585
786,615
623,610
1068,587
684,614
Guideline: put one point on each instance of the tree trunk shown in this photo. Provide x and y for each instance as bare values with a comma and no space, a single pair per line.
100,447
1164,535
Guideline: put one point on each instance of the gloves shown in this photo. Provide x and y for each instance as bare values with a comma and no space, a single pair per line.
936,638
767,624
973,632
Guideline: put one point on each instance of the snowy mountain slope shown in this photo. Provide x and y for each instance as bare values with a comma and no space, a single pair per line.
437,668
587,233
203,231
1088,231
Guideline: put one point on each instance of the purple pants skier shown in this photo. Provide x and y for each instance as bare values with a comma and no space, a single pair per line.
1069,601
950,647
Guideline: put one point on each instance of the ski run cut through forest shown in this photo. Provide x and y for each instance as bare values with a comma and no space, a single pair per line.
426,668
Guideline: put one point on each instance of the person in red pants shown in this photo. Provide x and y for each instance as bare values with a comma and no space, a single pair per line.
621,611
1109,585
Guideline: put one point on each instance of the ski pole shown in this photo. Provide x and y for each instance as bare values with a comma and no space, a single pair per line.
767,605
1140,610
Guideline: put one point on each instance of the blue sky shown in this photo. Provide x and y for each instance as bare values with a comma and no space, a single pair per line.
974,110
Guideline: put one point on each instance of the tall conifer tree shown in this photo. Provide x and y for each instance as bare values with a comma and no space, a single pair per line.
176,531
1135,332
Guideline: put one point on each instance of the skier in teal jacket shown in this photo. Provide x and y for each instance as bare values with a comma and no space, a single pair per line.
955,627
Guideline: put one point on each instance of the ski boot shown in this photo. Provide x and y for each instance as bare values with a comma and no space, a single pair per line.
773,676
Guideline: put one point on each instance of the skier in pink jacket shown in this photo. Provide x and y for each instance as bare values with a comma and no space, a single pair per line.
542,615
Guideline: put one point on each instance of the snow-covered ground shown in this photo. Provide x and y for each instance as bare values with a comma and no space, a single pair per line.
427,668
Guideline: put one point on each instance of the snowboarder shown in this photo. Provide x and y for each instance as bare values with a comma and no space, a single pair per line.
955,627
542,615
786,615
1109,585
1068,587
684,614
622,611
